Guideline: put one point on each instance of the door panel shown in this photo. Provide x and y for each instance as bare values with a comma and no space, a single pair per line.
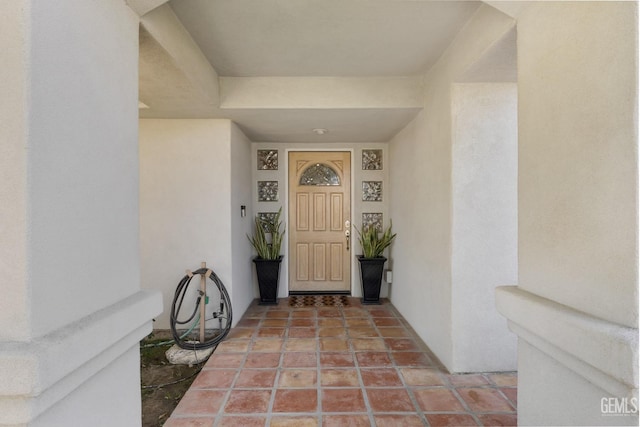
319,206
337,249
302,267
319,256
302,216
337,212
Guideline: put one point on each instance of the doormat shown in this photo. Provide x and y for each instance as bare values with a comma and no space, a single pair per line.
318,301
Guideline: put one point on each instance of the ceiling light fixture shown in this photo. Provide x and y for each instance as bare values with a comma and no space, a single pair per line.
319,131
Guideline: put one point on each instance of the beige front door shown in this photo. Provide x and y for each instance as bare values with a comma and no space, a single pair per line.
319,221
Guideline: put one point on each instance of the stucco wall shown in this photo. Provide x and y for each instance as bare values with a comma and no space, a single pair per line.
71,307
193,178
578,181
243,290
484,224
13,174
543,401
98,395
421,183
358,206
83,226
576,308
422,191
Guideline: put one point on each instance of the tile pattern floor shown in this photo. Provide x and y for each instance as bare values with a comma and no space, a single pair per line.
337,366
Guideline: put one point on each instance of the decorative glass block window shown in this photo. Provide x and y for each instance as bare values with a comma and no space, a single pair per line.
372,220
267,160
267,191
372,191
267,216
319,174
371,160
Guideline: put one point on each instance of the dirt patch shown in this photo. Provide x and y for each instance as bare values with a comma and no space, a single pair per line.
162,384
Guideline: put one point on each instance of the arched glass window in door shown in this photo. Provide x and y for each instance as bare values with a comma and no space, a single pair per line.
319,174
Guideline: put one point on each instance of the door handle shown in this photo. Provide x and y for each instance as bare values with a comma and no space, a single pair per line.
347,232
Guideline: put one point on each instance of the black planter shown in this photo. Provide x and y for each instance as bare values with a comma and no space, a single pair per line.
268,271
371,270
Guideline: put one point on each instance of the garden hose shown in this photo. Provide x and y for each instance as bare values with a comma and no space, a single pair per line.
224,313
169,342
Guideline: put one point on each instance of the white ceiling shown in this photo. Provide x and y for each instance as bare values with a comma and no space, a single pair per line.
280,68
322,37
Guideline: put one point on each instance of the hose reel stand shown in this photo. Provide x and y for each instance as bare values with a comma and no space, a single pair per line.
207,338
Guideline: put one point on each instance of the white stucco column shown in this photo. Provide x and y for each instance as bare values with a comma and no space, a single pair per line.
575,308
484,223
71,310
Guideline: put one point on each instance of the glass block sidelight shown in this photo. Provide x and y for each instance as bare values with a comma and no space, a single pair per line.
372,191
267,159
371,160
372,219
267,191
267,216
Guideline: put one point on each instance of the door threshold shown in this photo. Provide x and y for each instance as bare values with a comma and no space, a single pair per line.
293,293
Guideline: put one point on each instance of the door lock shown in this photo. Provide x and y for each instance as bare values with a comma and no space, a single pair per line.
347,232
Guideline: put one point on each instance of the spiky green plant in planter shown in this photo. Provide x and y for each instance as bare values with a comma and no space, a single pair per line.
373,244
268,260
259,241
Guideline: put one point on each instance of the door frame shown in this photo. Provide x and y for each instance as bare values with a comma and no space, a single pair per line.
285,207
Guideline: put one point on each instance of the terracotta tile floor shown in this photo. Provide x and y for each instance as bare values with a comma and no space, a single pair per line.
337,366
